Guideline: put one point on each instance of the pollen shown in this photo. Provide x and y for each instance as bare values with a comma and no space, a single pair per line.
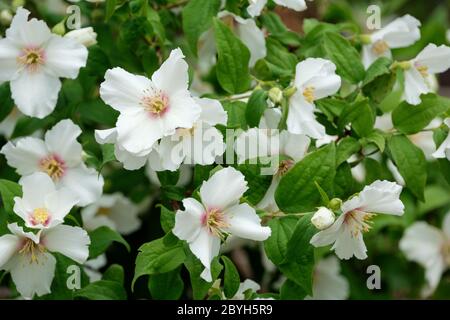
32,250
53,166
308,93
358,221
423,71
40,216
32,58
215,221
156,103
380,47
102,211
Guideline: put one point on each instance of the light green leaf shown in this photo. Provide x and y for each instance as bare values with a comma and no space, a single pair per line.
232,62
102,290
410,162
297,191
346,148
199,286
276,245
102,238
231,278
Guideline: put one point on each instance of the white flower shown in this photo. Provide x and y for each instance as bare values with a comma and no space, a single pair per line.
149,109
42,205
245,29
346,234
9,123
267,141
114,211
200,144
92,266
323,218
419,71
203,225
315,78
429,247
400,33
85,36
60,156
444,149
28,257
328,283
33,59
255,6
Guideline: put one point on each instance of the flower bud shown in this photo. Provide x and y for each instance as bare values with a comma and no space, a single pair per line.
365,39
84,36
5,17
60,28
275,95
335,204
323,218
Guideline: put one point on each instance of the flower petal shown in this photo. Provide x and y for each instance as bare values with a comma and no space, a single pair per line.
252,37
129,160
25,154
268,203
312,68
35,188
59,204
106,136
297,5
348,245
212,111
205,247
72,242
328,283
172,76
35,94
124,91
188,223
64,57
8,60
212,192
436,59
294,145
255,7
85,183
9,245
61,140
400,33
245,223
415,85
183,112
124,214
329,235
27,33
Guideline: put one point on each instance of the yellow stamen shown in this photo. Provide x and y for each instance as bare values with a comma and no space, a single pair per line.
156,104
423,71
102,211
40,216
32,249
358,221
380,47
53,167
32,58
308,93
214,220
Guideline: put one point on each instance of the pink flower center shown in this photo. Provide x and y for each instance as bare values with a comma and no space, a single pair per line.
215,221
32,58
40,216
156,103
54,166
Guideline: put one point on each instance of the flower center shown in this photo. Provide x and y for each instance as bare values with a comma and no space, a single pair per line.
214,220
102,211
308,93
32,58
32,249
53,166
156,104
284,167
423,71
380,47
40,216
358,221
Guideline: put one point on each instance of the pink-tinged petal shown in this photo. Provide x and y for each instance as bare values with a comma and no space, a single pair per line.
72,242
64,57
223,189
61,140
245,223
35,93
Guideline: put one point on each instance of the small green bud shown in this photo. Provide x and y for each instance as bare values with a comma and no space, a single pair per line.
276,95
365,39
289,92
5,17
335,204
60,28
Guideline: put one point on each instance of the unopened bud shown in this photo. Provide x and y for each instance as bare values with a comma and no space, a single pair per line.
275,95
365,39
60,28
335,204
323,218
84,36
5,17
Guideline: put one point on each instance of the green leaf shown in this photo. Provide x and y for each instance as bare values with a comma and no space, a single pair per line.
6,102
410,119
411,163
231,278
346,148
114,273
159,256
102,238
102,290
256,105
257,182
360,115
280,61
166,286
199,286
197,18
379,80
108,154
167,219
377,138
9,190
110,9
236,111
292,291
232,62
276,245
345,57
297,191
298,264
